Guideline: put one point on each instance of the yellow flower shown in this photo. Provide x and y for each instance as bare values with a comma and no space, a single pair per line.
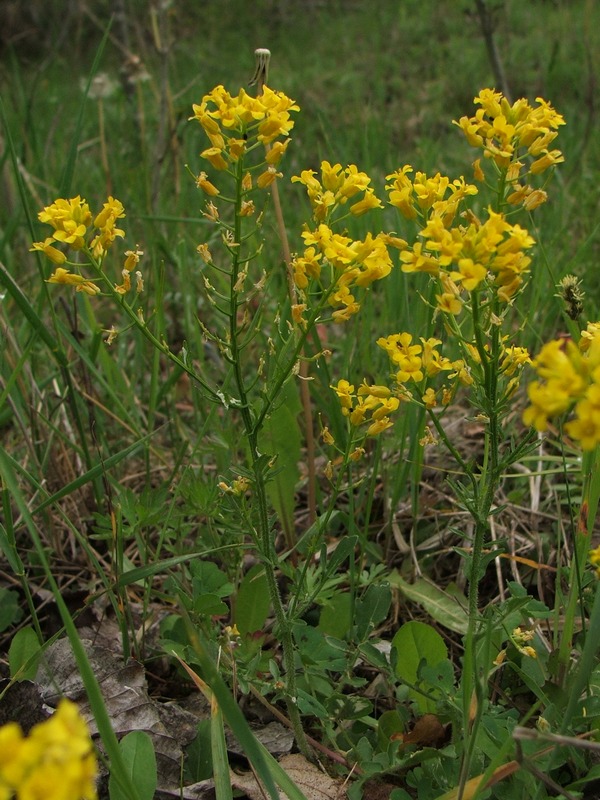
124,287
204,253
306,267
53,253
401,192
61,275
207,187
503,130
546,161
327,437
215,156
133,259
247,208
267,177
276,152
298,310
449,303
357,454
345,393
477,171
429,398
470,273
378,426
416,260
70,220
368,202
111,211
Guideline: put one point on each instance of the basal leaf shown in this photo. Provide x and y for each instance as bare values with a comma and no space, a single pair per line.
415,644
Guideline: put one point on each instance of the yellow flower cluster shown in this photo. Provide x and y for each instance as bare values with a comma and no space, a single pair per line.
425,196
460,255
55,762
415,362
570,376
517,138
335,188
232,123
594,558
75,227
370,404
352,264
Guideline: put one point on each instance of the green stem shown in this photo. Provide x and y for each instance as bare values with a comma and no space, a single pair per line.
252,430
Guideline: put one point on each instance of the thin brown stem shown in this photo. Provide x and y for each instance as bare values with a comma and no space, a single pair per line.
260,78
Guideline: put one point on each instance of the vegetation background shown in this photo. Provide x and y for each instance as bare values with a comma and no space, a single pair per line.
378,85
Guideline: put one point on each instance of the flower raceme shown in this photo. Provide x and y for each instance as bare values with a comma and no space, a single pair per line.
351,263
235,125
77,229
463,254
517,138
55,762
569,379
336,187
370,405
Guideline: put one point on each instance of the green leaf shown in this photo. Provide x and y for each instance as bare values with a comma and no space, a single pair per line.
335,619
449,607
372,608
207,578
10,611
415,644
281,436
389,723
140,762
252,602
198,756
24,654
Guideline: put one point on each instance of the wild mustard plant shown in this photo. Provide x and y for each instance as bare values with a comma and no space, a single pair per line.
478,263
56,761
247,138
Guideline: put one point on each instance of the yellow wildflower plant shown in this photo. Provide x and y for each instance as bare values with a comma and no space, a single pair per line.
55,762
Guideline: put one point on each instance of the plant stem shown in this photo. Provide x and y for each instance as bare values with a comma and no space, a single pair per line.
259,469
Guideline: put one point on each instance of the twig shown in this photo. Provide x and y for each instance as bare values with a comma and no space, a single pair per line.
260,79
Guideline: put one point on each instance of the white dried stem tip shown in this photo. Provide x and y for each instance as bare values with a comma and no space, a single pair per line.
261,73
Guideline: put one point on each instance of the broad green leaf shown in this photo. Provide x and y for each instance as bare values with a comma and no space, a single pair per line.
138,754
198,755
281,437
252,602
10,610
335,619
372,608
24,654
389,723
417,643
449,608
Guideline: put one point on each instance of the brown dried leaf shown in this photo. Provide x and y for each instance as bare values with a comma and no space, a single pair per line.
315,784
126,698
